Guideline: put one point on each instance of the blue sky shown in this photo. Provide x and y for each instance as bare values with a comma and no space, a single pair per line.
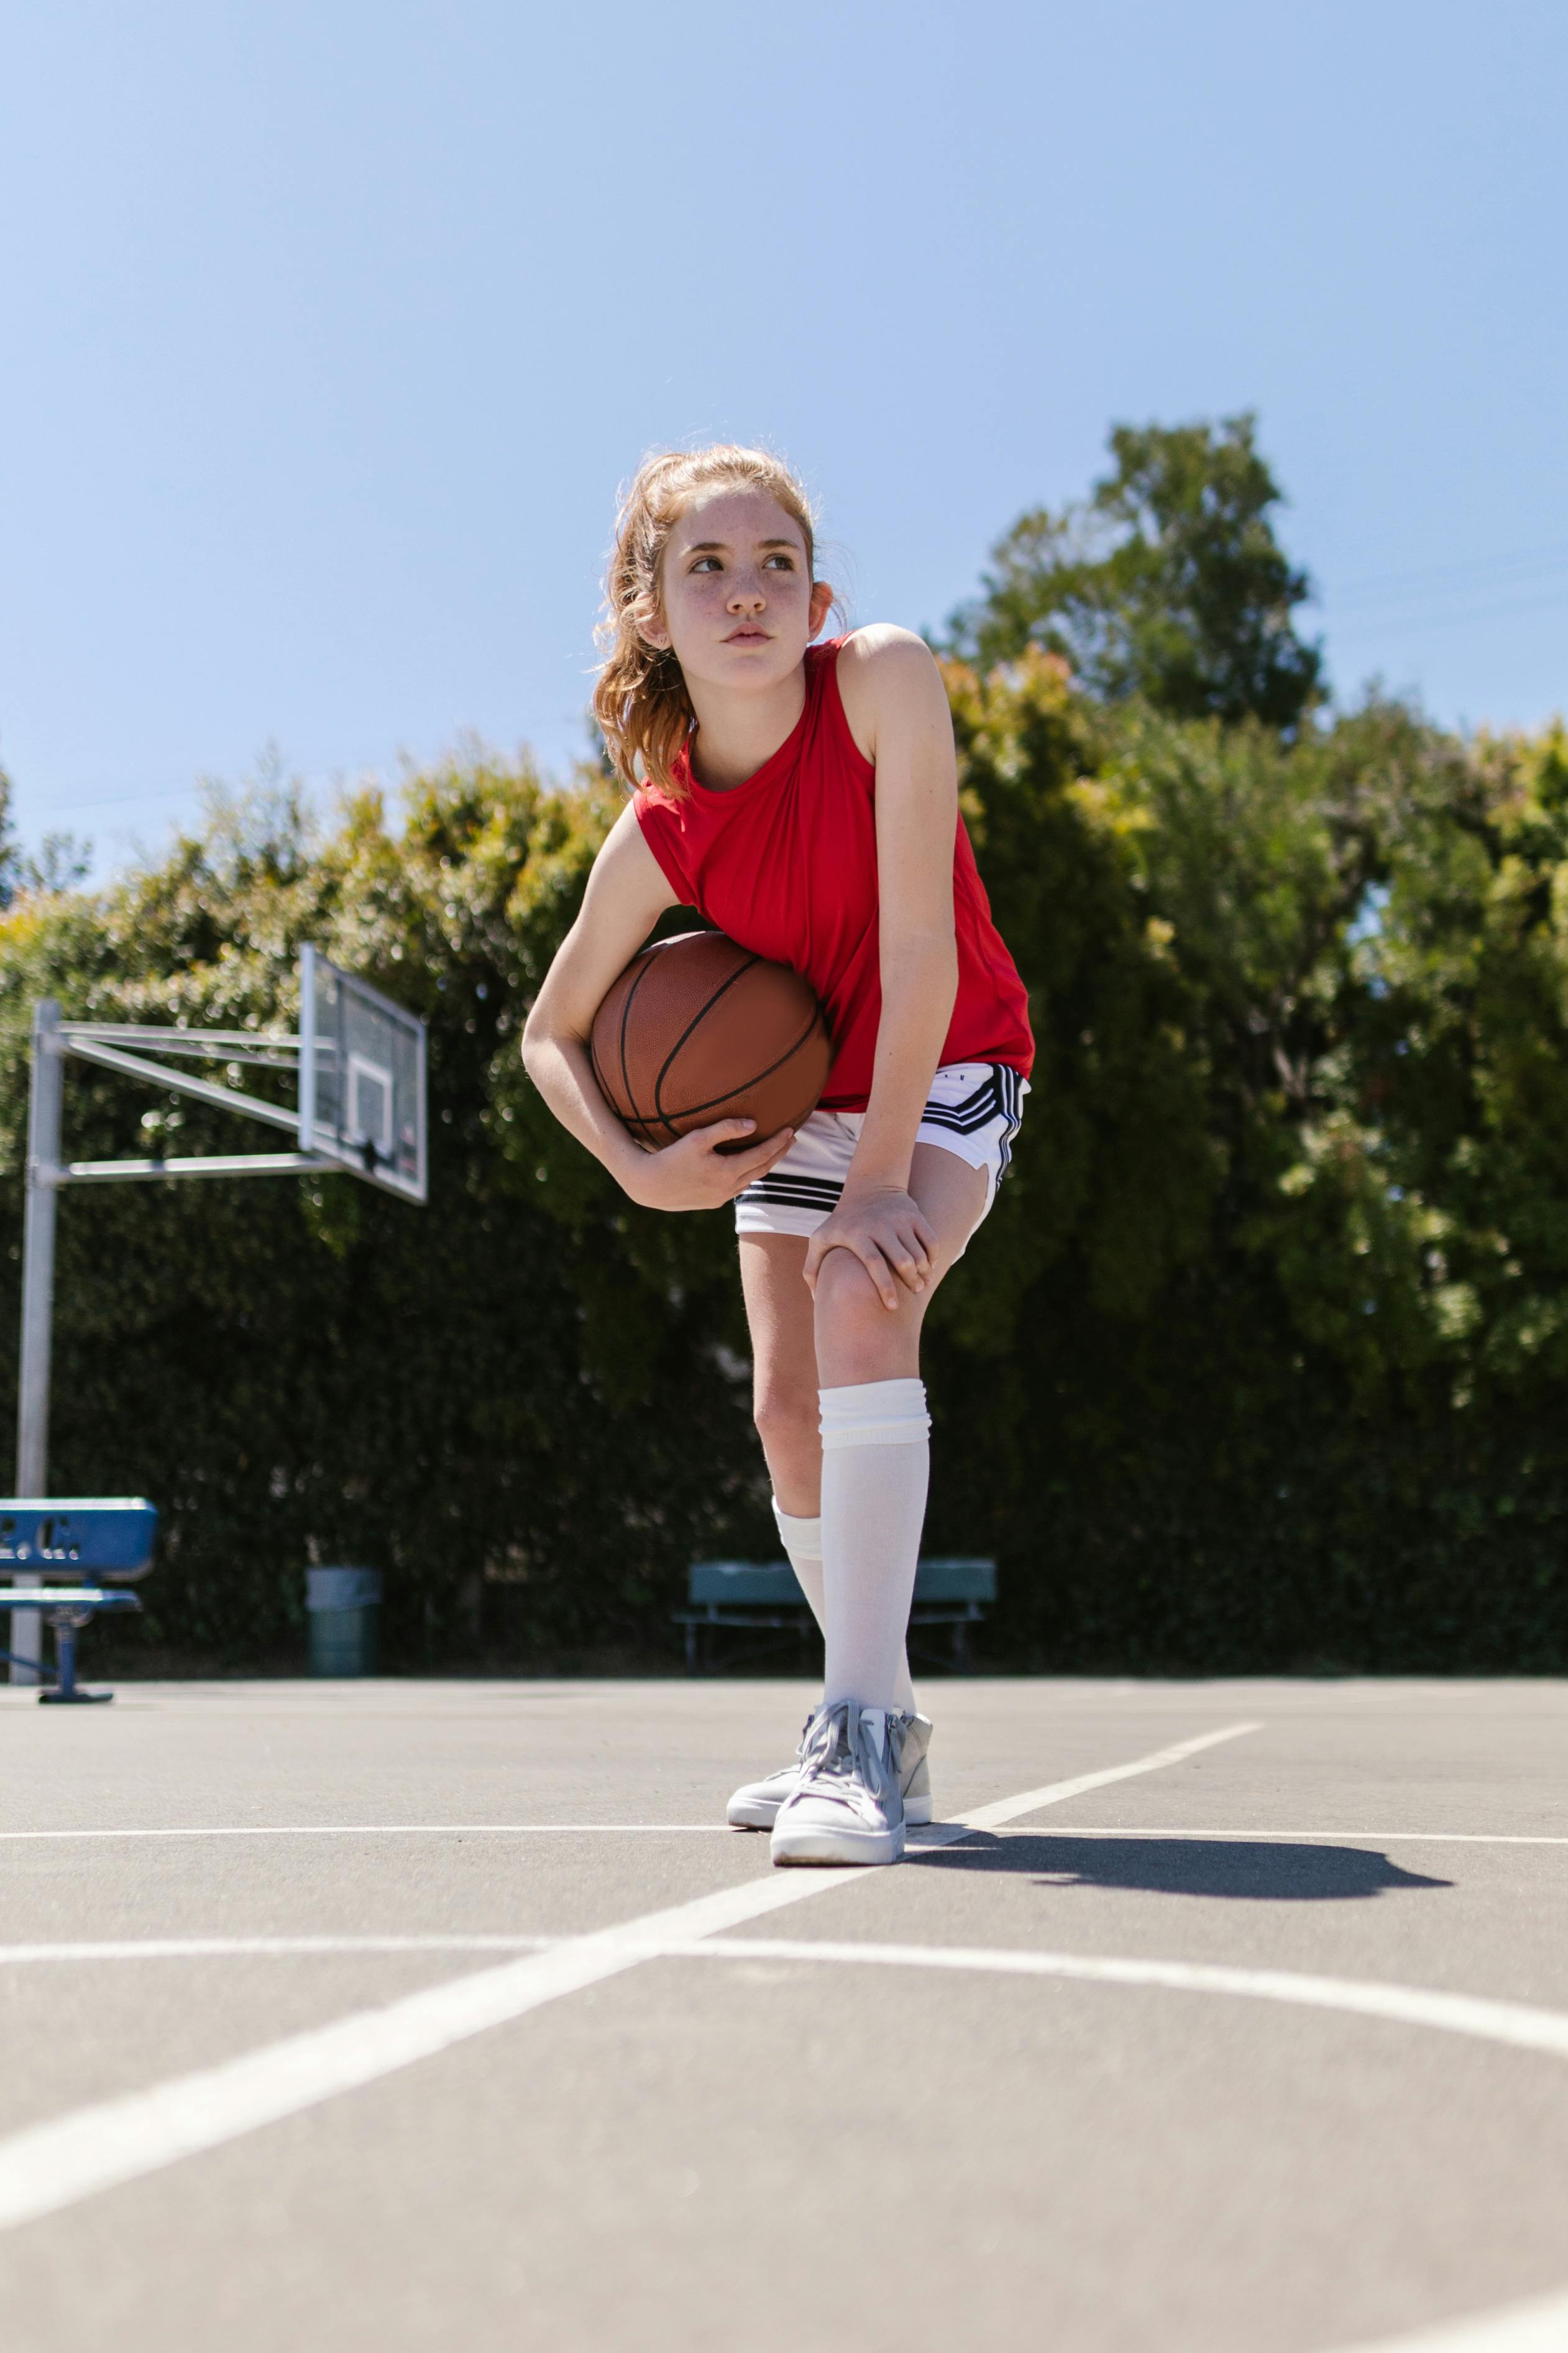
329,331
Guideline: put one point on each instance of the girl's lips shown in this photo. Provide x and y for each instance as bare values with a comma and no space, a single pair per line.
747,638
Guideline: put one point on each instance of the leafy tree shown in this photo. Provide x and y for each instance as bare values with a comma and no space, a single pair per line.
1167,583
1257,1360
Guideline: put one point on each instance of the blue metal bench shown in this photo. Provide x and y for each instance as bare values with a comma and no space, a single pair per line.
78,1554
764,1597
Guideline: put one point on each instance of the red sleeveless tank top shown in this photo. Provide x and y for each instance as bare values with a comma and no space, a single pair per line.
786,863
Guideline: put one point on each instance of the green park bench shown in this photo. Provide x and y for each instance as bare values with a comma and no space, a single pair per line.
764,1598
76,1556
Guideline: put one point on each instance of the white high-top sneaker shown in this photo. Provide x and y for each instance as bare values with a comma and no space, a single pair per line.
846,1805
755,1804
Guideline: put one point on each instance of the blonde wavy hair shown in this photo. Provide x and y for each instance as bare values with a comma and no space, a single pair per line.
640,699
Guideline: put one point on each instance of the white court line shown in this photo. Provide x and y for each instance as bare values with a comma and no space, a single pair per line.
373,1829
1389,1838
985,1818
1513,2022
1055,1793
1539,2327
724,1830
212,1949
51,2166
1516,2023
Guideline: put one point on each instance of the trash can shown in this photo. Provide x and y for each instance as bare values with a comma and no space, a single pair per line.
343,1606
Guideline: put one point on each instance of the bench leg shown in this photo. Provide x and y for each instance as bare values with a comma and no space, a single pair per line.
66,1691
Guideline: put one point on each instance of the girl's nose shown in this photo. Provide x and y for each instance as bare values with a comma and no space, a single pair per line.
747,594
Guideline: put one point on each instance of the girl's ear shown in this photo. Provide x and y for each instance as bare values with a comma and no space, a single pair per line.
822,594
651,625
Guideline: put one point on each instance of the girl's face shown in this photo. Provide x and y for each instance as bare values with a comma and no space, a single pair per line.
740,607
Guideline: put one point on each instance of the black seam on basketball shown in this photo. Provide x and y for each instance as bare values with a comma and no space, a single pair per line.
604,1081
626,1016
697,1020
688,1111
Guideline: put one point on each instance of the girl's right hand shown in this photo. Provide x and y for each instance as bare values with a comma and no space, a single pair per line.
694,1175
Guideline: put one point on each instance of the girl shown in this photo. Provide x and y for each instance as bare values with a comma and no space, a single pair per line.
804,797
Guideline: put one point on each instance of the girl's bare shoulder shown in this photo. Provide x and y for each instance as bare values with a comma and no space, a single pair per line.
883,645
880,669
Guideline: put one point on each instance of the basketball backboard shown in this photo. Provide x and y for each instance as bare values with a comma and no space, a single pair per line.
361,1078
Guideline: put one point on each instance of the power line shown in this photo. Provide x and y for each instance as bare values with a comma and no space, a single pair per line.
121,800
1396,622
1440,579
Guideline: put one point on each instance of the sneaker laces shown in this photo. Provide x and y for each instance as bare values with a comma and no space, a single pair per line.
839,1759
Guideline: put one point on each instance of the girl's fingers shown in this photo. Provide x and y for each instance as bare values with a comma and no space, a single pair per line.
871,1258
745,1165
910,1270
920,1241
912,1256
877,1267
900,1262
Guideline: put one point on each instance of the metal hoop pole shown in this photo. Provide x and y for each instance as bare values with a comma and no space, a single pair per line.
37,1305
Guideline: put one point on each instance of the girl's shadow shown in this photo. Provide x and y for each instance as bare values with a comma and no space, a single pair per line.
1249,1870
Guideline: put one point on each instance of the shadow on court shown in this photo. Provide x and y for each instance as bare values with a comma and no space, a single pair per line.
1247,1870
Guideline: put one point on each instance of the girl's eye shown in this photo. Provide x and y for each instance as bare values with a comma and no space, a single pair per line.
784,563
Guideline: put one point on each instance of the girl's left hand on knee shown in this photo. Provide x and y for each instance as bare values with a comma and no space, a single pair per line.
887,1233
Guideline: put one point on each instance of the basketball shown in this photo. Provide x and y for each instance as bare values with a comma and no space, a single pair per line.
697,1029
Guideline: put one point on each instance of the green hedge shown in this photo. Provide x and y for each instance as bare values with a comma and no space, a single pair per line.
1257,1363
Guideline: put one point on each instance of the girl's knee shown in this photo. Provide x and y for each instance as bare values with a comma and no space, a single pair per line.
858,1339
786,1419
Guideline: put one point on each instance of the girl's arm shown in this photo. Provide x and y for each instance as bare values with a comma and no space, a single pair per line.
626,894
897,709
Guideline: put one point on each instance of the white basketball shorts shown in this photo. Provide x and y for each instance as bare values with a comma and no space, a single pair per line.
973,1108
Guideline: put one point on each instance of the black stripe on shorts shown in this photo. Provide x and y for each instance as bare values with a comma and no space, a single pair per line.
800,1192
1001,1097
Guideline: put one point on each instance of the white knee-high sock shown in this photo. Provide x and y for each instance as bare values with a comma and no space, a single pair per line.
876,1464
802,1540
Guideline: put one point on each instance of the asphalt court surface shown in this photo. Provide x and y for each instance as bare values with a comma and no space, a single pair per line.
414,2015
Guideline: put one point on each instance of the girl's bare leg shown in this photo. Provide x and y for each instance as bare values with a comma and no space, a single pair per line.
784,1361
851,1331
